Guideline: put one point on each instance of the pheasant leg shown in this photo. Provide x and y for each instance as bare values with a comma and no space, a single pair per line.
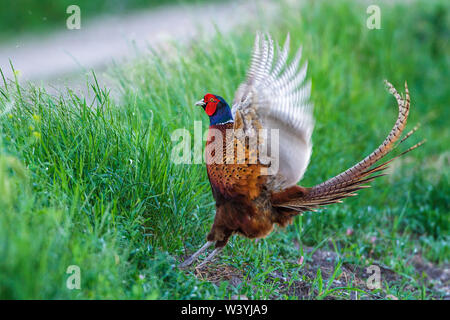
194,257
209,258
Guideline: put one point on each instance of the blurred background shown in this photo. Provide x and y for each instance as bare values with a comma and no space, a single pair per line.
36,40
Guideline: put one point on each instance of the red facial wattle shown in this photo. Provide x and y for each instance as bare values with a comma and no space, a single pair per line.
211,104
210,108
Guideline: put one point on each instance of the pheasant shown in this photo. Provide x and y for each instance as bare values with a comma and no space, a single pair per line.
254,174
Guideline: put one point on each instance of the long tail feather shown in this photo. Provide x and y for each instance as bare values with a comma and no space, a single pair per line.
355,178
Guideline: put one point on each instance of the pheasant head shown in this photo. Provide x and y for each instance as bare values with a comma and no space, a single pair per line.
216,108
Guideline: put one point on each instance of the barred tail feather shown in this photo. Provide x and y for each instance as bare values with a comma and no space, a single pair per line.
355,178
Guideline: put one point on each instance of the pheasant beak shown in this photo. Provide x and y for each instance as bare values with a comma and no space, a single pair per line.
200,103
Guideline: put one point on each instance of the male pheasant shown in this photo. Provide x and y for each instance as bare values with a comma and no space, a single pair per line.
258,151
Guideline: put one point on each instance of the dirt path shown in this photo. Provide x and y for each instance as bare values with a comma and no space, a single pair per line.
66,56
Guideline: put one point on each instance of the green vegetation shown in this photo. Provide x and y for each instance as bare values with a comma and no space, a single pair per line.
91,183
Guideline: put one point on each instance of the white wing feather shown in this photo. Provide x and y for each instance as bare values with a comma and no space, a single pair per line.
279,97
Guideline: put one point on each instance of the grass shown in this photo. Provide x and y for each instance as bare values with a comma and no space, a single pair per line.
90,183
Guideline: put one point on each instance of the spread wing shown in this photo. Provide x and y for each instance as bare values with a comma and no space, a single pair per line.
276,95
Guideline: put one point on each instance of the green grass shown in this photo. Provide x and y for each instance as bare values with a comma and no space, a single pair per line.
90,183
